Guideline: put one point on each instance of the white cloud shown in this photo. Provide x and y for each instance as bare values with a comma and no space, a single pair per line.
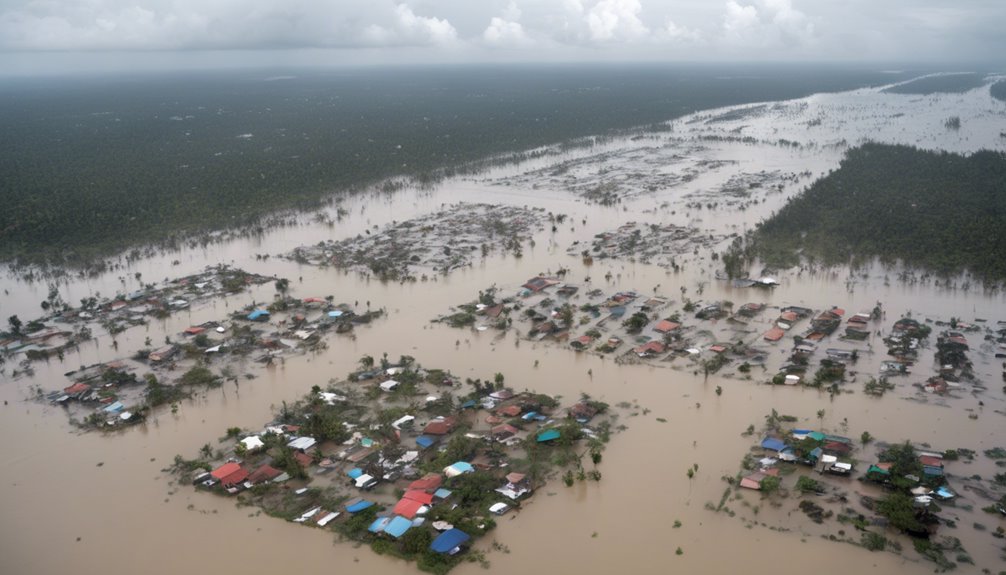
671,31
505,30
410,29
540,29
616,20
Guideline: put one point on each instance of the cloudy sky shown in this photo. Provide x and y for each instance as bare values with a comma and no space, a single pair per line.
362,31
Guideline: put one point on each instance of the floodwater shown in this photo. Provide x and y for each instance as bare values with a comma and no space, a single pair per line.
88,502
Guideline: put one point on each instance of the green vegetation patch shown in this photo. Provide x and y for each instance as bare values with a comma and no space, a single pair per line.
940,211
942,84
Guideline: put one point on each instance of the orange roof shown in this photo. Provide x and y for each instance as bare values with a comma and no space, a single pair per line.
789,316
774,334
195,330
666,325
438,427
235,478
224,470
407,508
515,477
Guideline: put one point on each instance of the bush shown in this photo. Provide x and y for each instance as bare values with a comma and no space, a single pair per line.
874,541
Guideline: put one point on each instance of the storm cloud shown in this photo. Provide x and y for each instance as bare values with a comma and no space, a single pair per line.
465,30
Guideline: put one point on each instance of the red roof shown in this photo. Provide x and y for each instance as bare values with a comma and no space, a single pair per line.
666,325
650,347
418,495
789,316
430,482
407,508
224,470
313,300
438,427
717,348
930,461
264,473
511,410
505,429
235,478
303,459
76,388
195,330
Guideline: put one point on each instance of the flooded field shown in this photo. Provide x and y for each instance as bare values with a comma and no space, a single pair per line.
75,500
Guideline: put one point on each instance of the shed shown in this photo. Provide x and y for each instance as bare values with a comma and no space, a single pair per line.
258,315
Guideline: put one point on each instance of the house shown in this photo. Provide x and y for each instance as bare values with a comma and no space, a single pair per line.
449,542
774,334
263,473
162,354
493,312
773,444
753,481
194,330
439,426
252,442
666,326
429,482
535,285
502,432
750,309
650,348
225,470
516,486
512,410
548,435
581,343
582,412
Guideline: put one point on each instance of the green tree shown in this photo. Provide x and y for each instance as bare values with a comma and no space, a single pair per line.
14,322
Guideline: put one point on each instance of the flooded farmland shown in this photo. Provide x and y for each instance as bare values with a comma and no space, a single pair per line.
74,499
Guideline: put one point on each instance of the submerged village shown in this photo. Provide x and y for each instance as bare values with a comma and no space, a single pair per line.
543,370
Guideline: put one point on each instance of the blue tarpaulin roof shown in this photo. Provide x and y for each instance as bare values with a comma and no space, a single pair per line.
816,435
425,441
259,313
529,415
355,472
802,431
359,506
461,467
379,524
773,444
397,526
548,435
448,540
117,406
442,493
335,313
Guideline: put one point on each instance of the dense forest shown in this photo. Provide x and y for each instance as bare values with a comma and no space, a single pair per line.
998,90
935,210
942,84
94,164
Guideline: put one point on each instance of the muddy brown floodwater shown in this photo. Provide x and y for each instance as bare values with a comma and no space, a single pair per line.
74,502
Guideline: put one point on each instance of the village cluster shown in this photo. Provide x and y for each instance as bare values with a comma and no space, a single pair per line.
408,459
112,395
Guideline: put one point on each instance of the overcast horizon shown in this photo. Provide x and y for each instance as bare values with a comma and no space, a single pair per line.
63,36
